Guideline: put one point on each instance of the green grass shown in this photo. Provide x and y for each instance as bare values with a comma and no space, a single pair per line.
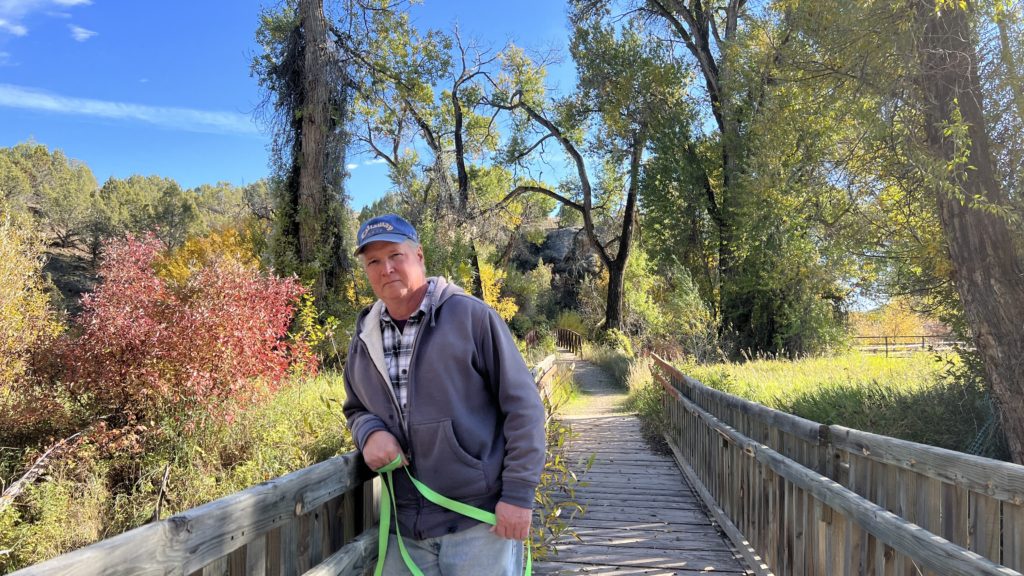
921,398
611,360
915,398
776,383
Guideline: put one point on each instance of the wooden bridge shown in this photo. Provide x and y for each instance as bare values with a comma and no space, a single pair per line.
792,497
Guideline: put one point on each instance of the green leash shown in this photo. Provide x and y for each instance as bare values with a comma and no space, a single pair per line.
443,501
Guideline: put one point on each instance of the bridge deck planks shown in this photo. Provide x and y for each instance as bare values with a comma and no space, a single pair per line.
642,517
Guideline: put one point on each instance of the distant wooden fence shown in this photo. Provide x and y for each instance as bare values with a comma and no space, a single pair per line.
318,521
904,345
801,498
569,340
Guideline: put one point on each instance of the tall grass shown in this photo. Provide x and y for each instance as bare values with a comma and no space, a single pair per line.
914,398
923,398
613,361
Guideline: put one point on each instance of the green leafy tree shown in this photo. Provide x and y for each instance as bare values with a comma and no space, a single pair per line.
140,204
56,189
625,87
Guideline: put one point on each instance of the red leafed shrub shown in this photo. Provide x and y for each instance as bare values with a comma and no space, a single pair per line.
150,346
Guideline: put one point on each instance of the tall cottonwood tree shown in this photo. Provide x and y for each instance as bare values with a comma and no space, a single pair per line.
735,48
947,228
987,269
307,81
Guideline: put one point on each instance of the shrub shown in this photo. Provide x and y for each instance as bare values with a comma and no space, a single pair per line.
149,346
571,320
611,360
28,325
617,339
491,280
110,485
533,294
196,253
26,317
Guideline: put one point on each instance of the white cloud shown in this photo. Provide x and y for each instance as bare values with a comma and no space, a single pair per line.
12,12
376,161
186,119
12,27
351,166
80,34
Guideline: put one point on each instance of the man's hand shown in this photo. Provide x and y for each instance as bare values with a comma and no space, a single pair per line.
380,449
513,521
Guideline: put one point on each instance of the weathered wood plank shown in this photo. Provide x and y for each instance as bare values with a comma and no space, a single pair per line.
189,541
559,567
290,548
236,562
641,515
928,550
650,557
352,559
1000,480
256,557
1013,536
985,537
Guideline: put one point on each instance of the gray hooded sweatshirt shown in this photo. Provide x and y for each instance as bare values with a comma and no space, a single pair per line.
475,425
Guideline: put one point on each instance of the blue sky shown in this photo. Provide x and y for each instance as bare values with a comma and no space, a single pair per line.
141,87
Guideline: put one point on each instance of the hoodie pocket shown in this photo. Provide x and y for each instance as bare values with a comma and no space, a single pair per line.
443,465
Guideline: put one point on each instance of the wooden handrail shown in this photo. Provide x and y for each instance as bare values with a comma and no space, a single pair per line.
316,521
329,502
571,341
841,501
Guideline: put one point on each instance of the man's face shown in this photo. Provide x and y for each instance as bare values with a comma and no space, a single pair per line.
395,270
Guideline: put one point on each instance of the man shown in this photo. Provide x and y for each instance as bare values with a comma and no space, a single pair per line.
433,376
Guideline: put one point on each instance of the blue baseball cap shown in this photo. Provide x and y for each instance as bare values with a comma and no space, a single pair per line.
386,228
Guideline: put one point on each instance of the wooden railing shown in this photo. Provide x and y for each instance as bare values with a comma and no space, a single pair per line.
807,499
318,521
569,340
283,527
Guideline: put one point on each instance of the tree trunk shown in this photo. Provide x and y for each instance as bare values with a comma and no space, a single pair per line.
986,270
613,306
316,123
617,268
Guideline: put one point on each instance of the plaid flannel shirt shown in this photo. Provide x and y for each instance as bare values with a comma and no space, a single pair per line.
398,345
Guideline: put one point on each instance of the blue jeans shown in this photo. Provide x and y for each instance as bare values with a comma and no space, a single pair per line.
472,552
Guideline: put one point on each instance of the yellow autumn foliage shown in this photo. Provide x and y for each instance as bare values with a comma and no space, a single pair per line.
896,318
491,280
26,317
195,253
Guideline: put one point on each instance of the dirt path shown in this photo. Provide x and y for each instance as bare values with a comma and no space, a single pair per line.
599,394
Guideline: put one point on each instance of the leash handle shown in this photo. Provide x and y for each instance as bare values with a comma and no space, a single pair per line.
441,500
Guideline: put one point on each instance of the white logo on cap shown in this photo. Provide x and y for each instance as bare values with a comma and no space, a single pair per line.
374,228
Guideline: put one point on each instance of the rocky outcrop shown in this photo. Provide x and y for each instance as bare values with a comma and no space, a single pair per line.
568,252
